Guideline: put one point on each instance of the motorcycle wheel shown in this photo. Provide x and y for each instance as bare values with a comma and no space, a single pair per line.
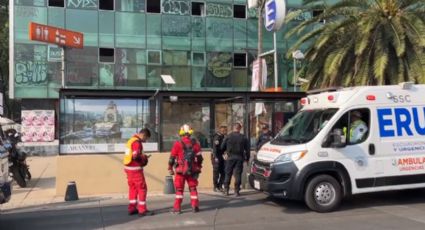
18,177
28,174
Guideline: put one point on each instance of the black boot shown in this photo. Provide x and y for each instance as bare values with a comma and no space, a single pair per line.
226,192
237,194
146,213
195,209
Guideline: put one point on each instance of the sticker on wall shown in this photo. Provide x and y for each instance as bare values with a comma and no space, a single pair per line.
38,125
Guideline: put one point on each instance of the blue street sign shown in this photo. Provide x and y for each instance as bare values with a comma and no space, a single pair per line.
274,16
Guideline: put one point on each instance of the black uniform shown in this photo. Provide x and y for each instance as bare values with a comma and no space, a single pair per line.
264,138
218,161
237,149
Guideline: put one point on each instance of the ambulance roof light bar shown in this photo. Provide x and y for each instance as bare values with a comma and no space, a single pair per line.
406,85
317,91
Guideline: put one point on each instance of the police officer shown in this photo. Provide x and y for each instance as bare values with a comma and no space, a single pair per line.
217,159
237,151
265,136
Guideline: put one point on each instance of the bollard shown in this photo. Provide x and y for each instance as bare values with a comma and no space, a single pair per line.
169,185
71,191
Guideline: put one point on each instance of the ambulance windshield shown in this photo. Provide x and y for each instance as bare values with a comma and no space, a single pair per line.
303,127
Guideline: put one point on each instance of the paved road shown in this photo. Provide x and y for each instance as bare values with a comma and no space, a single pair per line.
394,210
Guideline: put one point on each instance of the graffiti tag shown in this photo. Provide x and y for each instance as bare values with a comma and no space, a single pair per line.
26,12
176,26
30,73
219,10
180,7
82,3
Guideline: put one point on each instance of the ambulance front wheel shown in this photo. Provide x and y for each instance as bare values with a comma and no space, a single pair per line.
323,193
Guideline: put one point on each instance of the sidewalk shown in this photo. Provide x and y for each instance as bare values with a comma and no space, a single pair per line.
41,189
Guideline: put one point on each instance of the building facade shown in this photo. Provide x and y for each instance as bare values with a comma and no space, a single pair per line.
113,86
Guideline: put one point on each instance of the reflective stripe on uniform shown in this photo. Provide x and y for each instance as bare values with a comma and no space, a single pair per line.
132,201
179,196
133,168
142,202
193,197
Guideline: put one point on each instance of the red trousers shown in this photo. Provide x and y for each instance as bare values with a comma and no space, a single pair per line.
179,181
137,190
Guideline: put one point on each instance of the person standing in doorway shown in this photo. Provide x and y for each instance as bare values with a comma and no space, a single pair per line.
217,159
237,152
134,161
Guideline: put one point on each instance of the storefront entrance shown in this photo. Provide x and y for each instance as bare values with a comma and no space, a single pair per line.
100,121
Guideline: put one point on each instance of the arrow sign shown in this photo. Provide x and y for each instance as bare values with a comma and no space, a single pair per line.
55,35
77,40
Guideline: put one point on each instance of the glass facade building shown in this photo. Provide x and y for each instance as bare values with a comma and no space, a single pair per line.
205,45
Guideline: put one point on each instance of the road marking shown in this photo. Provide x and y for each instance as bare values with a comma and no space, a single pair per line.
404,212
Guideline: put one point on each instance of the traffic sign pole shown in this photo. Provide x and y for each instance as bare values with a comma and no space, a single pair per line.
63,68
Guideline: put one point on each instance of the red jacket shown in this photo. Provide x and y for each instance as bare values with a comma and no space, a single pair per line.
177,155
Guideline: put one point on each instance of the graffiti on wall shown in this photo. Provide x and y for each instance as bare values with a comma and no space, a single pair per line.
30,73
219,10
176,26
26,12
180,7
82,3
220,29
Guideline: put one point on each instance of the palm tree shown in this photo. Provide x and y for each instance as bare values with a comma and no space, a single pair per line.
362,42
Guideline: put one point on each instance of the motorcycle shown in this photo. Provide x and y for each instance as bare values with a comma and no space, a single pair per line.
18,167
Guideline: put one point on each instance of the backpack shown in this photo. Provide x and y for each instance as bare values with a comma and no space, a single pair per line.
188,164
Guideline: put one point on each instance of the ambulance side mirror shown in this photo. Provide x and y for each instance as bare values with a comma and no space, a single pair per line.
335,139
338,139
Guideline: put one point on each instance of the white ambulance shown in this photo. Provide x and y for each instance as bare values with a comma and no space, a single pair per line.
346,141
5,182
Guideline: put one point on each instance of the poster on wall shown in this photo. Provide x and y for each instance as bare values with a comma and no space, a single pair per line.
104,125
38,125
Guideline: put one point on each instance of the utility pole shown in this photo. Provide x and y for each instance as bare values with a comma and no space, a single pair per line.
260,40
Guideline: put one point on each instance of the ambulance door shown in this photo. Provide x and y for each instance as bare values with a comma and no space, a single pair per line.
355,150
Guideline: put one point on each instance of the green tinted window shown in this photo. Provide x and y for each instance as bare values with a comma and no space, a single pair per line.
176,32
30,2
130,5
85,21
106,28
153,31
130,30
219,71
198,33
23,16
219,34
82,67
240,38
56,16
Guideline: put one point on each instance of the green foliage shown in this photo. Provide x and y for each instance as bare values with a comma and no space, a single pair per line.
363,42
4,44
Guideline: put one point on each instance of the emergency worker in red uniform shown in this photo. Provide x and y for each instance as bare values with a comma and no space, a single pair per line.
134,161
185,163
